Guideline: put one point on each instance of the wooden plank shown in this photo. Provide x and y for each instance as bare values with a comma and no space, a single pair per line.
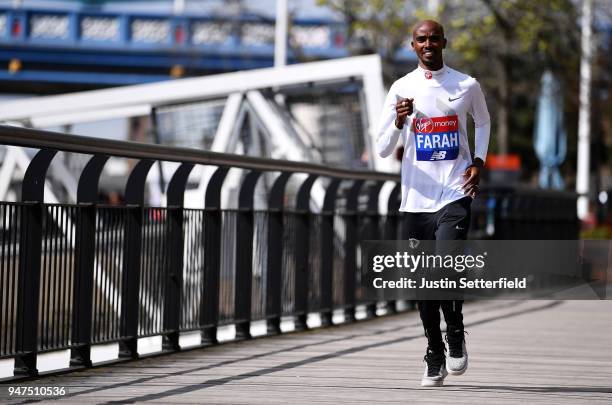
528,352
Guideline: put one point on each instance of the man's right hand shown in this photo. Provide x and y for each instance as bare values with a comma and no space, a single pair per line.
403,109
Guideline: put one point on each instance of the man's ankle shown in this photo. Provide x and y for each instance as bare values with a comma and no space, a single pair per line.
436,349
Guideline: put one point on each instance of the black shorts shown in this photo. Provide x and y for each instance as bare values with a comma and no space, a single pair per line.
451,222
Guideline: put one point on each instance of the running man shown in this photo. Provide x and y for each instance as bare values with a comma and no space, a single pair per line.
428,107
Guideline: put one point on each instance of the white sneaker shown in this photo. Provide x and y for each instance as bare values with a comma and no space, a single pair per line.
435,369
457,359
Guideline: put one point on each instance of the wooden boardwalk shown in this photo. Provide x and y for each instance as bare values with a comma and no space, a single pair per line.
520,352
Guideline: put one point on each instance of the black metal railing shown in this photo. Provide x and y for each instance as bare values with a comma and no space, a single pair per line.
518,212
77,275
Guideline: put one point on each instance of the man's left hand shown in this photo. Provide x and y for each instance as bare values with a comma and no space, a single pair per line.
471,178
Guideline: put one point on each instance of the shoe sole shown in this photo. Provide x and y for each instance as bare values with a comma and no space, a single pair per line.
439,383
457,372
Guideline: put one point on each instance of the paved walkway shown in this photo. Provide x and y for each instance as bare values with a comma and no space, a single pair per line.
520,352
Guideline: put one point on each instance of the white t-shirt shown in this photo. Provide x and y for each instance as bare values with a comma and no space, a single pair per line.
436,148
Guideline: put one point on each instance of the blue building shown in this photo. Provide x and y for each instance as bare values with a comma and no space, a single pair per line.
59,46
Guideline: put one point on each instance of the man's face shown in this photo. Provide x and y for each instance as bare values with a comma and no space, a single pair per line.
428,42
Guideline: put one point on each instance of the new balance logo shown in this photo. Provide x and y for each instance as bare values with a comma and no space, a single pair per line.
438,155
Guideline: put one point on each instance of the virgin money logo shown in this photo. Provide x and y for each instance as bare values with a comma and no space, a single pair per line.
423,125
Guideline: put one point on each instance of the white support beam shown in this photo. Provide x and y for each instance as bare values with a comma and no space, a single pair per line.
226,139
6,172
227,123
178,7
182,90
286,146
383,197
280,34
46,121
374,92
67,178
584,113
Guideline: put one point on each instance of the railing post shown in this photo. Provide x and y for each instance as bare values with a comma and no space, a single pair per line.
244,256
174,267
392,226
85,255
392,221
30,249
302,252
209,306
327,251
130,294
276,238
371,230
350,245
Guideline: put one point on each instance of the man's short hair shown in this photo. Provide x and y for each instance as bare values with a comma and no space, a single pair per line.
419,24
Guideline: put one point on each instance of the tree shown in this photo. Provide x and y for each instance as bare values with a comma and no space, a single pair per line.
507,44
378,26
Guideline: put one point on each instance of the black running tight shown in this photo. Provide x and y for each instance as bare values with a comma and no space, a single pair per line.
449,223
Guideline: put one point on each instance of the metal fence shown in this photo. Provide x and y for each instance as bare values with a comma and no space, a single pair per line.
77,275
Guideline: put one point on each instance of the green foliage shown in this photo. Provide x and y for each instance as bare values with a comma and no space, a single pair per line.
378,26
600,232
507,45
533,33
